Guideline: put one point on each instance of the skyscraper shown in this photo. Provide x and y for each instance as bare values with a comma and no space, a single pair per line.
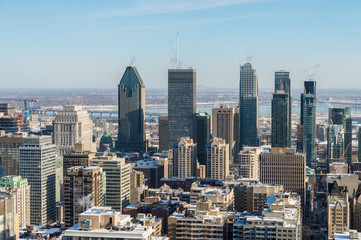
217,159
131,112
181,104
308,122
83,188
224,122
117,173
9,151
283,82
280,135
72,125
163,133
342,117
37,164
248,106
185,158
202,135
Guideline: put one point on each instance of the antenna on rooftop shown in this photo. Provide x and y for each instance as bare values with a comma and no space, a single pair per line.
177,51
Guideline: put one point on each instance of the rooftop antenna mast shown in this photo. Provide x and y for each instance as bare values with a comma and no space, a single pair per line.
177,51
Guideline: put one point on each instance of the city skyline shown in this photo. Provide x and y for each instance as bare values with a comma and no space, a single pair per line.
50,45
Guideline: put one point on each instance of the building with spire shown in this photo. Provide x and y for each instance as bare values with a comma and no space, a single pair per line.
248,106
131,112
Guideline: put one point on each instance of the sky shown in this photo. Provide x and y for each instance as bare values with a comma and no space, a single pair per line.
88,44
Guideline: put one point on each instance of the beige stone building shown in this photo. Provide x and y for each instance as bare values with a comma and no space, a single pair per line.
73,125
217,159
79,157
338,212
20,189
9,224
285,167
136,186
185,158
248,162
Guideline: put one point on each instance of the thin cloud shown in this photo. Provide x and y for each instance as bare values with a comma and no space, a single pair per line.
163,7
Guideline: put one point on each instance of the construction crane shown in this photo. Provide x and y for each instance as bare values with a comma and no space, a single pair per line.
344,152
26,101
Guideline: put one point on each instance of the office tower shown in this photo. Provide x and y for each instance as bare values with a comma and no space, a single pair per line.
72,125
20,189
280,135
59,177
308,122
359,144
286,167
223,126
131,112
281,219
9,225
9,152
117,173
77,158
185,158
283,83
217,159
248,106
181,104
153,171
248,163
202,135
136,186
2,171
83,189
37,164
7,110
341,117
163,133
335,142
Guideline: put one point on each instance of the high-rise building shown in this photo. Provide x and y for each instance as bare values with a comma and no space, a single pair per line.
117,173
341,117
308,122
72,125
83,189
283,83
286,167
37,164
9,225
9,152
280,133
181,104
131,112
20,188
10,122
77,158
202,135
248,162
217,159
185,158
163,133
224,122
136,186
248,106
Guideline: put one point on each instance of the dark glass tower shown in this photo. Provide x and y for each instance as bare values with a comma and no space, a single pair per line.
202,135
131,110
308,122
248,106
181,104
341,117
280,136
359,144
283,83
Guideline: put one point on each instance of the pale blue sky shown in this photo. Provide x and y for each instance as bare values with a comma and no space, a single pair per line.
54,44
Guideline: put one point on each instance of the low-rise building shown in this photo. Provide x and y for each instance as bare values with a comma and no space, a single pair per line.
105,223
